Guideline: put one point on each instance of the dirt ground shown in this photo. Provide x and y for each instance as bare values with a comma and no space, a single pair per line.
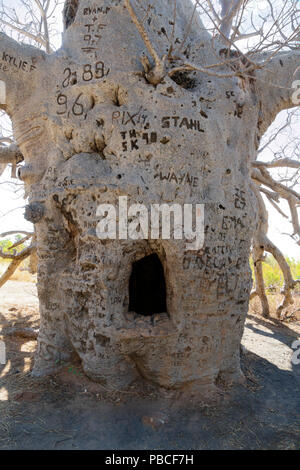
67,411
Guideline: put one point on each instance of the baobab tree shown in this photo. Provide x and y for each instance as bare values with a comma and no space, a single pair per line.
33,23
158,102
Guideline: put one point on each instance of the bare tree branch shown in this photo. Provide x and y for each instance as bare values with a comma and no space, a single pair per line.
16,261
9,271
27,34
262,244
281,163
230,9
154,75
9,154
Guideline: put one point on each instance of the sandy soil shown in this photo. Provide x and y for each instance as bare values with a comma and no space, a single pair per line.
18,294
67,411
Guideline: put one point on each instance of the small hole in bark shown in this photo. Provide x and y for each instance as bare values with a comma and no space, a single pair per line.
73,81
184,80
164,32
100,122
147,287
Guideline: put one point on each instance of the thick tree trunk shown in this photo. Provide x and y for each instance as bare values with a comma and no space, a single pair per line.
92,129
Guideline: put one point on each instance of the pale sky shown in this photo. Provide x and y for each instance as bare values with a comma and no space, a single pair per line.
12,205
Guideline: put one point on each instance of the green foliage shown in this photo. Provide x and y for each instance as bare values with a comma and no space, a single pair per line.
6,245
273,276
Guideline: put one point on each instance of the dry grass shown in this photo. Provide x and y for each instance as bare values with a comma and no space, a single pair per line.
21,274
292,313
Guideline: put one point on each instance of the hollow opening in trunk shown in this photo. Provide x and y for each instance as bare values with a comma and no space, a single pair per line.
147,287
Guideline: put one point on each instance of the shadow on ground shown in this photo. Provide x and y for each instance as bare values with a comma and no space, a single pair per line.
67,411
265,417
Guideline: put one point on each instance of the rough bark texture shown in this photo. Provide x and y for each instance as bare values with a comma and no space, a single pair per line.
92,128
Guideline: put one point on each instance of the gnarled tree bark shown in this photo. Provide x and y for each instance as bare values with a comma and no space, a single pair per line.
100,119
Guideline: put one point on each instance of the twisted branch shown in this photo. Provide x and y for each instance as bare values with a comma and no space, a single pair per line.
10,154
156,74
262,244
17,258
16,261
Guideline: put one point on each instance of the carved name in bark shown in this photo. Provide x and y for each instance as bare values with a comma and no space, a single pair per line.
92,127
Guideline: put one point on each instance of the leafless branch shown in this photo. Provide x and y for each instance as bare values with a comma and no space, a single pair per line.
154,75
